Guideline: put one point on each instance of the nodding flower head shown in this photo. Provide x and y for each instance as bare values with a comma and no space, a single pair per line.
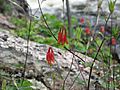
87,31
50,56
82,20
62,36
102,29
113,41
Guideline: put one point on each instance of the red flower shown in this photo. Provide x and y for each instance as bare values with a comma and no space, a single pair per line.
102,29
62,36
82,20
113,41
87,31
50,56
59,37
64,40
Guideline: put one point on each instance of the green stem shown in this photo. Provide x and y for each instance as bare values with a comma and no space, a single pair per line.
94,62
26,58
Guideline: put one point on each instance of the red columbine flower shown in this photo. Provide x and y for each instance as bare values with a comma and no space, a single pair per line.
102,29
62,36
82,20
50,56
64,40
113,41
87,31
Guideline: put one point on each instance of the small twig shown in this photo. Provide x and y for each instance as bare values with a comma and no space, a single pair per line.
35,12
77,77
96,23
74,81
83,77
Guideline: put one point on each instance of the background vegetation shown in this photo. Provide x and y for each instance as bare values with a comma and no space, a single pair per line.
97,44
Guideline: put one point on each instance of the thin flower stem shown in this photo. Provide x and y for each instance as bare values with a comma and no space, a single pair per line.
63,12
113,77
111,53
46,21
29,29
74,54
94,62
63,87
28,38
97,54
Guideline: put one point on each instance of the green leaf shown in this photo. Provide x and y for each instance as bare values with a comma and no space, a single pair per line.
9,87
100,3
78,33
111,5
80,47
26,83
80,81
4,84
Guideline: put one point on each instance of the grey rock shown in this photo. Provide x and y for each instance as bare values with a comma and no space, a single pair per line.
118,50
4,37
5,22
37,85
